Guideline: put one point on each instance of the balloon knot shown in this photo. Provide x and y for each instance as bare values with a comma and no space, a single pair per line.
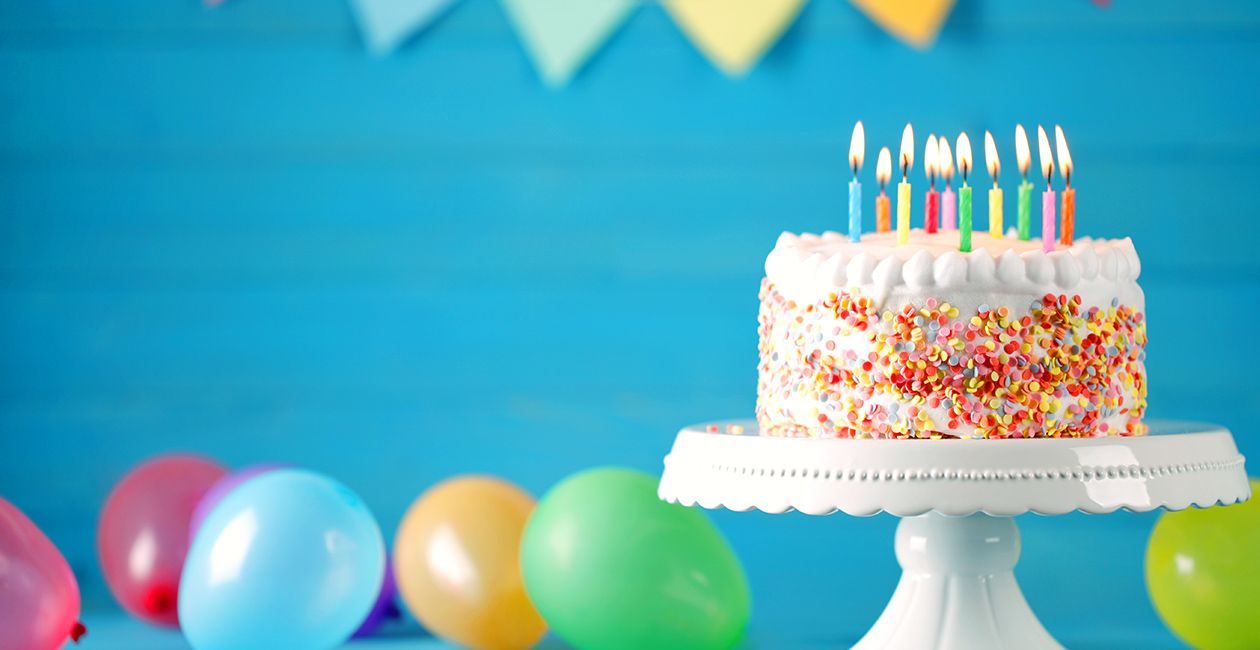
392,612
159,599
77,631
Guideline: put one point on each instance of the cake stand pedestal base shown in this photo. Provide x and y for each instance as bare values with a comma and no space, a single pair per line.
957,589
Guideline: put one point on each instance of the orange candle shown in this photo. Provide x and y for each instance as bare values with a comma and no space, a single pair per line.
883,174
1069,195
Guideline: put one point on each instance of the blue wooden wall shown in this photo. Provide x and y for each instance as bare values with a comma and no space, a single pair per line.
232,231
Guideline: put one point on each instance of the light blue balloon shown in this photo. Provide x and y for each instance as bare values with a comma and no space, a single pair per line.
290,559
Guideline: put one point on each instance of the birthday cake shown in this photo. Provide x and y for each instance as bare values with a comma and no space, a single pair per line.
876,339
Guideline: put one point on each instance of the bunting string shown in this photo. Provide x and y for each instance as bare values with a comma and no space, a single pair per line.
561,36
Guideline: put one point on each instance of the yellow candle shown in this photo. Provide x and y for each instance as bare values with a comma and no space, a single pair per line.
995,212
903,212
903,188
995,194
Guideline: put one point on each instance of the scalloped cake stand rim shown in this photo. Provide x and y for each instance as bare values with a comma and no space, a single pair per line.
1176,466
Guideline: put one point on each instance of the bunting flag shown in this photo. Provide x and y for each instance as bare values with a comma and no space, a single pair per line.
916,22
734,34
387,23
561,35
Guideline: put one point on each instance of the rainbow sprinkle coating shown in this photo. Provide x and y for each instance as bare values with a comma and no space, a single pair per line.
843,367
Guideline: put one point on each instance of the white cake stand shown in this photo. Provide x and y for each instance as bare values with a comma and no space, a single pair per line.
957,542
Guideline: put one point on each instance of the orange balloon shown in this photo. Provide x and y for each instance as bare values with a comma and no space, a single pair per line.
457,563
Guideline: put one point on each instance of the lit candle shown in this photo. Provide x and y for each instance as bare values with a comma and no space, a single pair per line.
964,194
995,195
857,149
949,204
1024,159
903,188
1047,197
883,174
931,209
1069,195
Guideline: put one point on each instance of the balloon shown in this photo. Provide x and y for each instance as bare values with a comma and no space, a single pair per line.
384,608
143,533
220,489
612,567
39,598
456,558
289,559
1203,574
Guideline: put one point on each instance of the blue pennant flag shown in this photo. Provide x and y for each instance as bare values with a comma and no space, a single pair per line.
387,23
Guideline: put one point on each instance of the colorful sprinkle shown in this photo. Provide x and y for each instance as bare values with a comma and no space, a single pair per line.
929,371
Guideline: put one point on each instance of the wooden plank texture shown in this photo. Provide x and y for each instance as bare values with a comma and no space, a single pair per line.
234,231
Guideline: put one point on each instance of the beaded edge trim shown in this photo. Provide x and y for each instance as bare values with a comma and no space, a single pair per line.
1078,473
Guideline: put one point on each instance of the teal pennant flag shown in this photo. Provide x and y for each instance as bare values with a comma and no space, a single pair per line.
387,23
561,35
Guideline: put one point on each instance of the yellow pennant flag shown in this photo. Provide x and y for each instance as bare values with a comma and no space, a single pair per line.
914,21
733,34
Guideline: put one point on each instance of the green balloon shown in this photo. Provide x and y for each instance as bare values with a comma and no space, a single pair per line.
610,566
1203,573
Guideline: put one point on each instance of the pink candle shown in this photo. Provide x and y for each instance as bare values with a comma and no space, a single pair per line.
949,209
931,204
931,208
949,203
1047,220
1047,197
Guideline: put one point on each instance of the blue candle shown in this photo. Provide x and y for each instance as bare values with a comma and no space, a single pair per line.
857,149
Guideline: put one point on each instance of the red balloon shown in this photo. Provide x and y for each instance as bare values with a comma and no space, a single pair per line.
39,598
143,535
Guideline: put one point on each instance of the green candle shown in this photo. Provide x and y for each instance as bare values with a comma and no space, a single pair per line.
1024,158
964,193
1025,210
964,218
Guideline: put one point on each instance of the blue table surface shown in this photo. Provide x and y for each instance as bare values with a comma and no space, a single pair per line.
112,630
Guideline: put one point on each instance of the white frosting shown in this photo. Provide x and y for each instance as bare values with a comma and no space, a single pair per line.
1006,270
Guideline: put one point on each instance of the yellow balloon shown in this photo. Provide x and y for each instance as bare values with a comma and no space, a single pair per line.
457,563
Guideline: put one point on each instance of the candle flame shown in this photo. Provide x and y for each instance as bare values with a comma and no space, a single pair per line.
857,147
883,167
929,157
1065,156
1044,155
945,159
1023,157
964,155
991,156
907,150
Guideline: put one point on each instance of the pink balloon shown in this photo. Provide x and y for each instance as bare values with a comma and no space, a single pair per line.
39,598
143,534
